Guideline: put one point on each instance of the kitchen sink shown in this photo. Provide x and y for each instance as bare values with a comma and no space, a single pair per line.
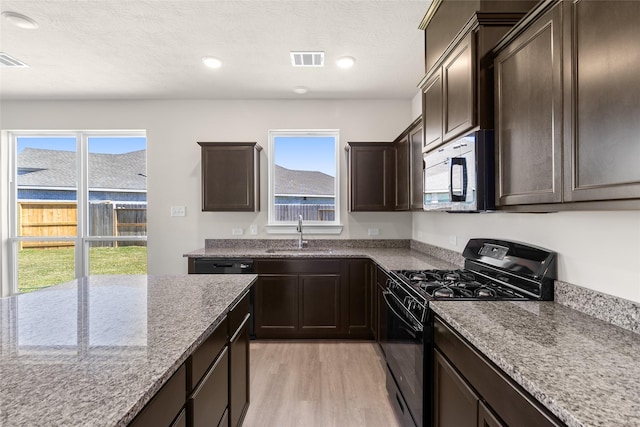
297,250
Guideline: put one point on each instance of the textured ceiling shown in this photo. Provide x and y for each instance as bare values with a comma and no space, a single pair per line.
152,49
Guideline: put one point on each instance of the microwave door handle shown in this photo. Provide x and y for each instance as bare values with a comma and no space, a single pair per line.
458,161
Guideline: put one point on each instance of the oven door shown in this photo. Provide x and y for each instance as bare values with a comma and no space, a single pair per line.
403,347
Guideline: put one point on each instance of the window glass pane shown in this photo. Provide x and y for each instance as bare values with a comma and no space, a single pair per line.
46,178
120,257
117,186
304,178
43,264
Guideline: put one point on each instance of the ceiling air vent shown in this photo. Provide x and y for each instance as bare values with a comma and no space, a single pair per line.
8,61
307,59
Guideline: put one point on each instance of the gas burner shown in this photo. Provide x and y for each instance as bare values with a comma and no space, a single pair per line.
485,292
444,292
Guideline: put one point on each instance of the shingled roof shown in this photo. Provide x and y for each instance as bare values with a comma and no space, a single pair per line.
55,168
296,182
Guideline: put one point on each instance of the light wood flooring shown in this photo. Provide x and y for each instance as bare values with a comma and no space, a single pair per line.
317,383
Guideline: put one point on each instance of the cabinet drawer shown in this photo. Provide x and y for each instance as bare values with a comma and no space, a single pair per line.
294,266
166,404
204,356
238,313
512,403
210,399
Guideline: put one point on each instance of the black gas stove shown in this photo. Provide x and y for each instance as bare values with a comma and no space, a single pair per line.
494,270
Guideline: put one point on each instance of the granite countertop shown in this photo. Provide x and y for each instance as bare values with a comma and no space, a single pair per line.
585,371
95,350
387,258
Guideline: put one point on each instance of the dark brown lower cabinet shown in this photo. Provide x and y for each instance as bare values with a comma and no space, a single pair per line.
313,298
212,387
358,282
276,305
239,374
470,391
167,405
455,403
210,398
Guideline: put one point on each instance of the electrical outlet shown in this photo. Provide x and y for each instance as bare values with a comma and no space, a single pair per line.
236,231
374,231
178,211
253,229
453,240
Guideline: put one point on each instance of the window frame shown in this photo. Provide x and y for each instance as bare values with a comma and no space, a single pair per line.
310,227
82,240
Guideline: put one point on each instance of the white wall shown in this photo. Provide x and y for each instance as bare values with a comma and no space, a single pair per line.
174,127
597,250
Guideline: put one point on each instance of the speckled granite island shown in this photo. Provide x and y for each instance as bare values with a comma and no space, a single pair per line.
92,352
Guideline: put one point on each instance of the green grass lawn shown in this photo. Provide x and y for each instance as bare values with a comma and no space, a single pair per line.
40,268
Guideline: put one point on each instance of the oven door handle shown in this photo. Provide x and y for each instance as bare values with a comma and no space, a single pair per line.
414,328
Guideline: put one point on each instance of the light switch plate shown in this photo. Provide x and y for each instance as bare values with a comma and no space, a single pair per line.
253,229
236,231
178,211
453,240
374,231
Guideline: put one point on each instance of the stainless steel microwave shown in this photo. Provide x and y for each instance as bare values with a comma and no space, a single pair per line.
459,176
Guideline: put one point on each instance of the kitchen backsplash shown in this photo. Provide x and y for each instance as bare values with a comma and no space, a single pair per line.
312,243
611,309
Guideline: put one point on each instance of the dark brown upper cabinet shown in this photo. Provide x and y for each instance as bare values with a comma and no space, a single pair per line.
230,176
458,88
432,110
528,116
458,84
409,167
567,108
602,92
372,176
416,136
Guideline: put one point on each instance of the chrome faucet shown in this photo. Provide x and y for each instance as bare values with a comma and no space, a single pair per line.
299,230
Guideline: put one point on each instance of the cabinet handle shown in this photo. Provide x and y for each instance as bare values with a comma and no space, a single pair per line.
239,300
237,332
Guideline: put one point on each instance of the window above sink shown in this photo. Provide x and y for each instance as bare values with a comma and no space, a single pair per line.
304,180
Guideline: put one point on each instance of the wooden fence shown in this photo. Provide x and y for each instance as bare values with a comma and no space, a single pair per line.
52,219
310,212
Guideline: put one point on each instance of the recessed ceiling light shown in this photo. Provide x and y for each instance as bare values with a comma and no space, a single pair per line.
20,20
346,61
212,62
300,90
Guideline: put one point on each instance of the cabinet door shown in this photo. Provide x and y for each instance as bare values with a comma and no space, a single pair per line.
602,125
455,403
486,418
167,404
417,168
459,88
529,115
276,305
229,174
402,169
209,400
357,277
432,111
239,374
371,176
319,300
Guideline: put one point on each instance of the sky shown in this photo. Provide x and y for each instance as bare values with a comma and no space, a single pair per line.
310,153
107,145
